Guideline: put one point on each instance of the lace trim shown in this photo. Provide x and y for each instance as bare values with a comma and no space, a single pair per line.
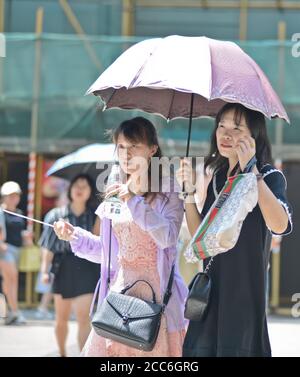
288,213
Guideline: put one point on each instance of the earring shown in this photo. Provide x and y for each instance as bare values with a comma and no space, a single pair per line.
214,154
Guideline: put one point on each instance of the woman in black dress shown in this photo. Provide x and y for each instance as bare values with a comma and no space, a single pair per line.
75,279
235,324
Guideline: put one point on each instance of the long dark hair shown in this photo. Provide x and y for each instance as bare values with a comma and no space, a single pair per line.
91,200
140,129
257,125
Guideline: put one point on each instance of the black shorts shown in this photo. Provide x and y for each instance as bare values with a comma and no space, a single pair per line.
74,276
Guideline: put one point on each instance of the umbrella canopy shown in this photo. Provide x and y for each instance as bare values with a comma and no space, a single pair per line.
83,160
213,72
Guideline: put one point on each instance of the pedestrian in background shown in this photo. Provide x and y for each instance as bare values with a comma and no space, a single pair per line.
14,235
74,279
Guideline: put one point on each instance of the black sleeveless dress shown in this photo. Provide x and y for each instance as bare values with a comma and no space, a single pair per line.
236,322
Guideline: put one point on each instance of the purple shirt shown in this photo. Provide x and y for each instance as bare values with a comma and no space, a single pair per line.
162,220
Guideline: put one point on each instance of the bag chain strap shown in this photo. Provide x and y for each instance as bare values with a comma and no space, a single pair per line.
208,266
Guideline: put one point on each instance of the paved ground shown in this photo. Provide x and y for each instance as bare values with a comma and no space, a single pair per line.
284,336
37,338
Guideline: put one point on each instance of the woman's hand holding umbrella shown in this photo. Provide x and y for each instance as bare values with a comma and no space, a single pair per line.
186,175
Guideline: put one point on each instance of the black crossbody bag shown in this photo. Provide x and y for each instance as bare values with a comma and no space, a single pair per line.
130,320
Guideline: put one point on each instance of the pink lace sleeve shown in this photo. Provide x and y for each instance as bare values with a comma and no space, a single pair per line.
163,227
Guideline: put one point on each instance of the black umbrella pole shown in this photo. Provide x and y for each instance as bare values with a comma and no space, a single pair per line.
190,126
189,137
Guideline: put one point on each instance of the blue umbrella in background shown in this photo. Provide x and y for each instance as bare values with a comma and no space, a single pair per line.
90,159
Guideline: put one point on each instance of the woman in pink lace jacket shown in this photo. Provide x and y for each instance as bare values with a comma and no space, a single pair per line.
143,243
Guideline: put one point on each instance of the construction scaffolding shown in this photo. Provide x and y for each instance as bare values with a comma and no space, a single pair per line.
66,119
228,19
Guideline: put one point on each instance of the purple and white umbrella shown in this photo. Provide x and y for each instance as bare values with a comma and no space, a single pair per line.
186,77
